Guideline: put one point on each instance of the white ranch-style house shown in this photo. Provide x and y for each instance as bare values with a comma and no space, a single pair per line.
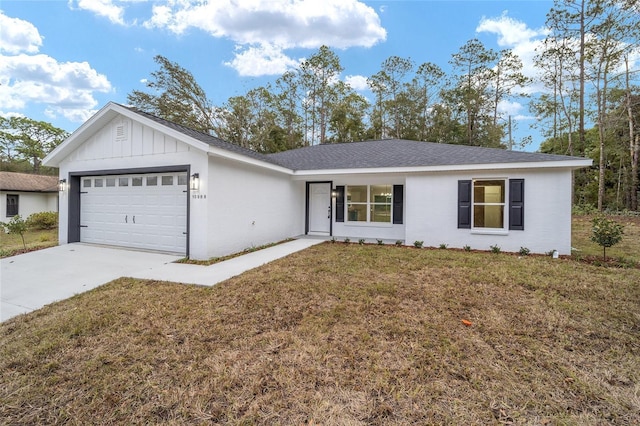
134,180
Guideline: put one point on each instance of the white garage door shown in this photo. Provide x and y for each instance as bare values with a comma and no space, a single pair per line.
147,211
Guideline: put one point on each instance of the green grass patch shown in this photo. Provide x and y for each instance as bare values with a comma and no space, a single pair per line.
11,244
338,334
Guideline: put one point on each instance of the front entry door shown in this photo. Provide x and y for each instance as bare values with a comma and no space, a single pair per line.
319,208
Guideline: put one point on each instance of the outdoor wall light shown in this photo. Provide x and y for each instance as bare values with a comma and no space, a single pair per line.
334,193
195,181
62,185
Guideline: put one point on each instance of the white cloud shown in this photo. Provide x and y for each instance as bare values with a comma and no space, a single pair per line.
511,32
65,88
18,36
517,36
287,24
266,28
105,8
357,82
263,59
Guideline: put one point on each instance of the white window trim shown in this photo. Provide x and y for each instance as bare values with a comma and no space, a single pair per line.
369,204
505,211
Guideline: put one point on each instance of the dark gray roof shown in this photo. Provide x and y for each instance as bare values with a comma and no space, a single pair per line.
395,153
387,153
203,137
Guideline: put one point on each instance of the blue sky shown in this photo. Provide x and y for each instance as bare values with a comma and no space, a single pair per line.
61,61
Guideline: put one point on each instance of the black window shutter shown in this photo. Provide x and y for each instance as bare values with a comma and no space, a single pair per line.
516,204
398,204
339,203
464,204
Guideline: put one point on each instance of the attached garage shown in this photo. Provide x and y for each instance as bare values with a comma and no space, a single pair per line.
136,210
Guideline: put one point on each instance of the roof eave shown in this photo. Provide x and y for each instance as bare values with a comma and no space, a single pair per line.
562,164
100,119
229,155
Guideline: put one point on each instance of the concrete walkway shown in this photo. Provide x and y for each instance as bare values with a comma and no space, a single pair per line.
213,274
32,280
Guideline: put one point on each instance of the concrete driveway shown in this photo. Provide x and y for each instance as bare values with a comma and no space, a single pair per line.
32,280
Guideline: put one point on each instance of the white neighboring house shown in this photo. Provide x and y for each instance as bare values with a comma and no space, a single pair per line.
135,180
24,194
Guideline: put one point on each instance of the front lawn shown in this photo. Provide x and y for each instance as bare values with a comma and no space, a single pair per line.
11,244
338,334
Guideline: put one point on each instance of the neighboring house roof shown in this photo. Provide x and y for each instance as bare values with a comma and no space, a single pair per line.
395,153
25,182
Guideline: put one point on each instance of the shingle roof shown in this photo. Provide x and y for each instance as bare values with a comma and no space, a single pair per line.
387,153
203,137
394,153
24,182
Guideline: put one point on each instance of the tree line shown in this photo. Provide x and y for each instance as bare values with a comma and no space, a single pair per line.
583,66
24,142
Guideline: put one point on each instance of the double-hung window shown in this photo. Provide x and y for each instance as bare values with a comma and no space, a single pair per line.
369,203
488,204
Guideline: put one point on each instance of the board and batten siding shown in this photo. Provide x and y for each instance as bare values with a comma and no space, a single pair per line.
125,138
431,211
250,206
125,144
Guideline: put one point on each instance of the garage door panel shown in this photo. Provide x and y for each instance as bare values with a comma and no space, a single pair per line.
130,211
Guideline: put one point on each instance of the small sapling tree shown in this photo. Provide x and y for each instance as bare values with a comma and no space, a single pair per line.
16,225
606,233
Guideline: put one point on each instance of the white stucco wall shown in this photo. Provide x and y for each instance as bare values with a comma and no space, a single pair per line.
29,203
250,206
432,202
370,231
142,147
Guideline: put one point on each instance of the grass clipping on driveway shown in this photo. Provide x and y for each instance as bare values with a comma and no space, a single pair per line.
338,334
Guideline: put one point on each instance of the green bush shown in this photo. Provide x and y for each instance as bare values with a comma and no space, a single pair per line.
524,251
418,244
16,225
584,209
43,220
606,233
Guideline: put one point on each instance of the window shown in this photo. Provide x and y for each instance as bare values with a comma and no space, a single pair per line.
97,182
488,203
482,204
152,180
369,203
123,181
12,204
111,181
86,183
182,179
167,180
136,181
357,203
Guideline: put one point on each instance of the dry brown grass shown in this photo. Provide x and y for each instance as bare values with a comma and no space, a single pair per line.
338,334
